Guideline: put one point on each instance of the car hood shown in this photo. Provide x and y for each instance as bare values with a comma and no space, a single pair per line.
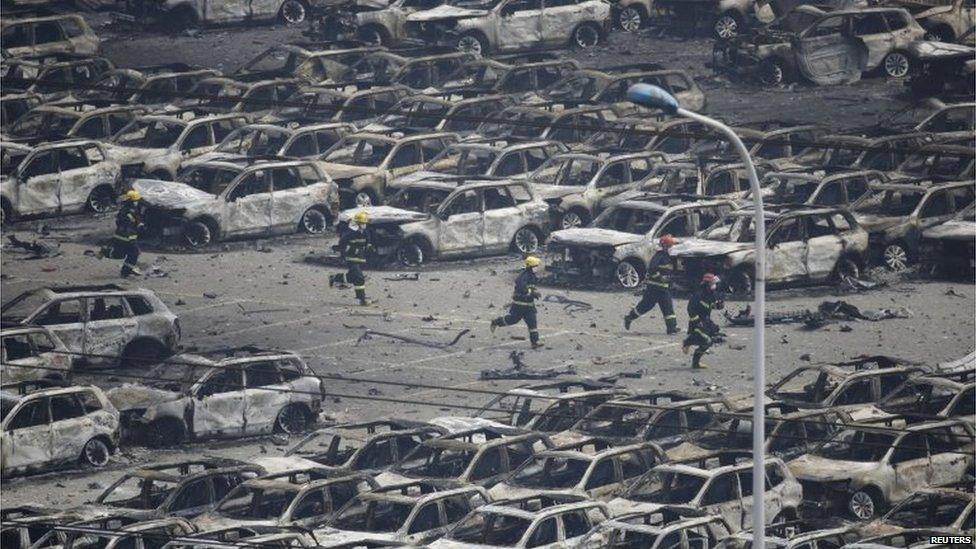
592,237
929,50
345,171
280,464
698,247
384,214
620,506
212,521
956,229
169,194
135,396
387,478
332,536
445,11
686,450
504,490
555,191
422,175
451,544
875,222
456,424
125,155
821,469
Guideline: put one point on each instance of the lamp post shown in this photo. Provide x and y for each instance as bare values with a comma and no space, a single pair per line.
655,97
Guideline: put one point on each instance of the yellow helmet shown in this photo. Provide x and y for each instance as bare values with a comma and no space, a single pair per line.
361,217
532,261
132,195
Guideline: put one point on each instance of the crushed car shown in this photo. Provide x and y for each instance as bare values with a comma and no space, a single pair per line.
222,200
242,392
31,353
50,428
100,324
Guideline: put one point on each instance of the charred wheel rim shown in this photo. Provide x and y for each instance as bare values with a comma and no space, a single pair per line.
313,222
740,282
771,73
292,420
526,241
862,505
630,19
726,27
896,65
372,36
293,12
198,234
895,257
586,36
627,275
101,200
95,453
363,199
410,254
847,268
571,220
469,44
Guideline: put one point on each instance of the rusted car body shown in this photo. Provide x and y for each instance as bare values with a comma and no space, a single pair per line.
32,353
55,427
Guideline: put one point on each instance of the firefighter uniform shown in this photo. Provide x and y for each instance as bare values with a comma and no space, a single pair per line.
523,302
657,289
701,328
354,245
125,242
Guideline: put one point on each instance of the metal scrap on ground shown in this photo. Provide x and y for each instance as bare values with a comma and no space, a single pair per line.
827,311
571,306
368,334
520,371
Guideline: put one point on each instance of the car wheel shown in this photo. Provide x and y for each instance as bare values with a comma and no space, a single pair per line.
142,353
773,72
95,453
846,268
863,505
941,33
630,19
314,221
896,65
726,27
164,432
572,219
363,199
410,253
896,257
586,36
101,200
373,35
628,275
471,43
198,234
292,420
293,12
740,282
526,240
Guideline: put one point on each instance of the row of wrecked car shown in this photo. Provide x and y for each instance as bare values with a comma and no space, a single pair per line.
887,445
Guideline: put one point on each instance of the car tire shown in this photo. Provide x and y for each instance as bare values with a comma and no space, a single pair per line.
293,12
727,26
586,36
896,64
95,453
631,19
374,35
573,219
774,72
526,240
410,253
199,234
864,505
291,420
941,33
164,432
740,282
846,267
471,42
142,353
101,199
314,221
629,274
896,257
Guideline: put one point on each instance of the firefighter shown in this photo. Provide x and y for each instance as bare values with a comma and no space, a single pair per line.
125,242
354,246
701,328
657,289
523,302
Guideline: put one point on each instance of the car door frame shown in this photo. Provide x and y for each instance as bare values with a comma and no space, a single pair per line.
53,177
10,444
835,49
501,24
80,340
199,401
443,219
230,213
801,252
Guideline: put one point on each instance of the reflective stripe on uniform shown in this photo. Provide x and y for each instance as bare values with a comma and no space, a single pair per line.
125,238
670,316
529,303
355,260
359,287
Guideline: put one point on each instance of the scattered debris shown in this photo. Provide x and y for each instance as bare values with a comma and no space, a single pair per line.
403,276
520,371
571,306
368,334
38,250
827,311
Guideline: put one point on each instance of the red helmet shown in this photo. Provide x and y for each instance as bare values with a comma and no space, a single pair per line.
709,278
667,241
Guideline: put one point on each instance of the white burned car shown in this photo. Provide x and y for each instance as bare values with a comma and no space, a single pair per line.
54,427
36,36
198,397
215,201
430,220
32,353
105,324
58,178
201,12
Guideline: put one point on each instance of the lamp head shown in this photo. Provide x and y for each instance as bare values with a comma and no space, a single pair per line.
653,96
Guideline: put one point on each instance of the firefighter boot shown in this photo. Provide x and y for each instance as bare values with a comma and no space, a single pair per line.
672,325
696,363
631,316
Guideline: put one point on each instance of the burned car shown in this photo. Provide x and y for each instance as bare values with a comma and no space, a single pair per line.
718,484
59,179
537,521
383,23
944,395
197,397
411,512
181,489
363,163
832,47
661,529
951,507
621,241
33,353
866,468
478,218
142,534
821,188
102,324
13,106
215,201
949,246
53,122
489,159
198,12
55,427
490,26
508,75
263,140
610,86
33,36
795,535
53,81
803,245
896,215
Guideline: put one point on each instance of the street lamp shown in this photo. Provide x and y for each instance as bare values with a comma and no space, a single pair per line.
655,97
